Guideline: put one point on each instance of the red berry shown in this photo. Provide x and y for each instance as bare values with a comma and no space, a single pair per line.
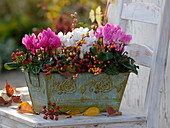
75,20
78,65
48,73
73,16
75,13
45,117
45,70
78,69
17,50
49,103
83,70
29,59
56,113
13,54
64,66
51,110
54,104
56,118
58,63
26,62
18,54
47,65
57,67
47,113
58,107
14,59
52,117
44,111
22,53
50,68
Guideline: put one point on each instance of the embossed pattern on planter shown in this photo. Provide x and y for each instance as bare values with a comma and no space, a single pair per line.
86,91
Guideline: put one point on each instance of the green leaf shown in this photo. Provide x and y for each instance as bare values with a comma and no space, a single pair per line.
93,51
131,67
84,25
105,56
69,69
112,70
12,65
35,69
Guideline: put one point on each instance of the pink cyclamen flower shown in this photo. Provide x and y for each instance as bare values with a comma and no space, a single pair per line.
108,31
119,47
30,42
48,39
126,39
54,42
112,33
99,33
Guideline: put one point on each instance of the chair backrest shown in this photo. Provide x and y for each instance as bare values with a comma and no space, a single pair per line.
140,53
158,89
145,13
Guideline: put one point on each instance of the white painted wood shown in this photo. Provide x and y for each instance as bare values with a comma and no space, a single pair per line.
140,53
165,97
13,119
143,56
159,88
24,93
142,12
143,34
159,107
3,126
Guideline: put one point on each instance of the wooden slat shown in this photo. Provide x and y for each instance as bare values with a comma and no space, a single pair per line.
143,12
158,84
11,118
165,97
140,53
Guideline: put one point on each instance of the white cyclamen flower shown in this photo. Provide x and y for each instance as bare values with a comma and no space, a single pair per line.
71,38
67,39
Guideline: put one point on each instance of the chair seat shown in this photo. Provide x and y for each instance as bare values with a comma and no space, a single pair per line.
9,117
12,119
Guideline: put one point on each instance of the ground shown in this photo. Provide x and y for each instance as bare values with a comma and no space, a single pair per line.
15,78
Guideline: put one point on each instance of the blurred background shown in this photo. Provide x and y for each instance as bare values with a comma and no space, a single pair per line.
19,17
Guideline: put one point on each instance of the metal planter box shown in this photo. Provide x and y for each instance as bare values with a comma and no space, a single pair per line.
87,90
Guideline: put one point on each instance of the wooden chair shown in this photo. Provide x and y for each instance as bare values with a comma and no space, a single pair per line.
157,89
157,108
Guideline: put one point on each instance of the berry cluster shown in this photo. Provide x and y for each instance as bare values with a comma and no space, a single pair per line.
52,111
74,20
20,57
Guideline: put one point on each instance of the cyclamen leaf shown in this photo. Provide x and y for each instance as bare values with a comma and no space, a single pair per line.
11,65
105,56
93,50
92,111
131,67
112,70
